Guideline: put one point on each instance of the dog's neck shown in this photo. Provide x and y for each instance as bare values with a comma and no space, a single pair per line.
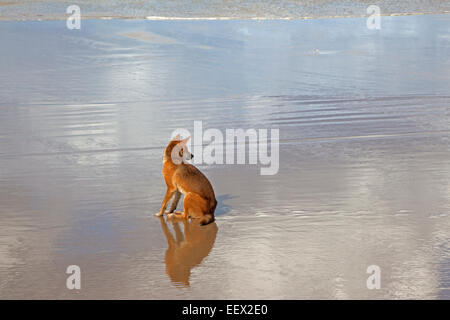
168,161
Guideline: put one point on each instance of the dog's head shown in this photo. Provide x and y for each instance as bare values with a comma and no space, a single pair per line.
176,151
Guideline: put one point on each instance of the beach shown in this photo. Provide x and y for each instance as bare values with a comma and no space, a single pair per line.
364,172
214,9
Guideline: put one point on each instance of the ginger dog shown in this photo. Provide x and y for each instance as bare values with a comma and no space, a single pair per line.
184,178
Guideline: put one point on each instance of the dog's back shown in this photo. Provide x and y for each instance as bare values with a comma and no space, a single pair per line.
189,179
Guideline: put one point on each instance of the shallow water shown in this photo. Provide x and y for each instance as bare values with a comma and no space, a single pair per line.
364,158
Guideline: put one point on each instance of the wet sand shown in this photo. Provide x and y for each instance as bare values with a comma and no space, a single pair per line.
364,158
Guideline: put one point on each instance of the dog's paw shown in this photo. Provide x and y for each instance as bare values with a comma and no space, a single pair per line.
159,214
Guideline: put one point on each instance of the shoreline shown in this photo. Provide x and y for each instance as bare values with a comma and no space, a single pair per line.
168,18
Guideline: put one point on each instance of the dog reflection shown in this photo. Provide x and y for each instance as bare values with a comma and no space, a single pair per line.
187,250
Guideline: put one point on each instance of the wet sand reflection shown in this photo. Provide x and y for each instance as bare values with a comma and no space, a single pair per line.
187,250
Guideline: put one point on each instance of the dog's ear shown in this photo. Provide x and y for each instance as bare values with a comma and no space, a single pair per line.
184,141
176,138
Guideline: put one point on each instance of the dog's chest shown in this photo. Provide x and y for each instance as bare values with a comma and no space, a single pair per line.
181,190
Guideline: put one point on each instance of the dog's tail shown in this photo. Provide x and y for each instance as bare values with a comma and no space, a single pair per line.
207,219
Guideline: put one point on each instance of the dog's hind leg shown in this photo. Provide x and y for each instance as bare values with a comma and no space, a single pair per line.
194,206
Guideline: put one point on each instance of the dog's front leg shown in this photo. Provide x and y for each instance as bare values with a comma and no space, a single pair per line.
175,201
169,194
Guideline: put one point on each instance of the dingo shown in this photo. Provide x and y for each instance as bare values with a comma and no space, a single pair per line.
184,178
